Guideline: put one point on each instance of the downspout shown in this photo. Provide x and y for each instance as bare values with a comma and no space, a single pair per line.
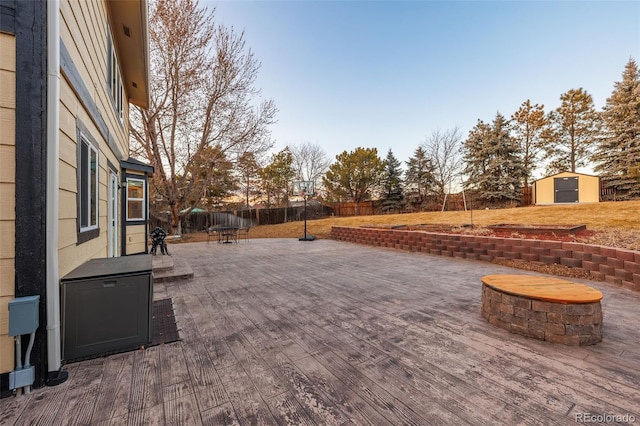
53,150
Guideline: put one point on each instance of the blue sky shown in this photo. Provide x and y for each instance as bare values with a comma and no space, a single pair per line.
386,74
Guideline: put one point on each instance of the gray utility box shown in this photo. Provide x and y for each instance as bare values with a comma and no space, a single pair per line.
106,306
23,315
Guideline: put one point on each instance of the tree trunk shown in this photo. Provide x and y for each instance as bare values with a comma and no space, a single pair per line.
175,218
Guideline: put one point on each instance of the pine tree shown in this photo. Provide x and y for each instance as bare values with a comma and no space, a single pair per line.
618,153
393,196
476,154
419,180
494,162
530,129
575,129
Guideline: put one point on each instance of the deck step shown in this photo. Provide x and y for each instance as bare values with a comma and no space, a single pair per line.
162,263
179,270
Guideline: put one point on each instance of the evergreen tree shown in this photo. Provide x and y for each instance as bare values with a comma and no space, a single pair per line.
494,162
530,129
476,154
618,153
393,193
419,180
575,128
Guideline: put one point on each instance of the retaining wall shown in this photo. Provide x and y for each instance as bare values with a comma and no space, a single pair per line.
615,266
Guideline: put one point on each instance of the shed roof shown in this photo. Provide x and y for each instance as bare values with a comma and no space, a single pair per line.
573,173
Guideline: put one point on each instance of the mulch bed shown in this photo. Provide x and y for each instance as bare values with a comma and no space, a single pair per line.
553,269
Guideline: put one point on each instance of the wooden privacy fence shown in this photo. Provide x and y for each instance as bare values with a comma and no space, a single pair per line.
196,222
363,208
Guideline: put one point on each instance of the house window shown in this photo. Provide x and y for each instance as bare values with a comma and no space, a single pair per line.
88,186
114,79
135,199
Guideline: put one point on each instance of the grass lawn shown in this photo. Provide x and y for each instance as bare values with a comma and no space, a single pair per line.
615,221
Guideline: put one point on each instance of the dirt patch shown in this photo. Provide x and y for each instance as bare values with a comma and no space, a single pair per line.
618,238
554,269
580,236
539,229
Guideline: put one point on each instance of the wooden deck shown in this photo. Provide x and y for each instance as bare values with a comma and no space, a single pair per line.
323,332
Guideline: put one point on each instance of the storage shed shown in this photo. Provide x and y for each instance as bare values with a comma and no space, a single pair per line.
566,188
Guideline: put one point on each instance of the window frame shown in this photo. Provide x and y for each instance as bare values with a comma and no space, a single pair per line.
114,78
88,186
141,199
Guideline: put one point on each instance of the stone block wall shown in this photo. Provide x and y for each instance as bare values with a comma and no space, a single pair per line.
615,266
569,324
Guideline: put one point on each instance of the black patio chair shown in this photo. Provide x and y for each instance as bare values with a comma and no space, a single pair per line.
157,240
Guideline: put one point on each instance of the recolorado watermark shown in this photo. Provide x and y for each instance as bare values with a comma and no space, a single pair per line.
604,418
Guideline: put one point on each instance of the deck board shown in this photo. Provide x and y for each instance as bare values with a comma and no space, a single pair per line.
113,397
359,335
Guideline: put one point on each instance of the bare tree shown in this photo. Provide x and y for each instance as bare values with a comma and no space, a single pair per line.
310,162
202,95
443,149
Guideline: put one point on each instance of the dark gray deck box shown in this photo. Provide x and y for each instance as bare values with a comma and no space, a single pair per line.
106,306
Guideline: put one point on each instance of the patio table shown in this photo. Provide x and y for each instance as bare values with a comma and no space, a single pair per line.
226,234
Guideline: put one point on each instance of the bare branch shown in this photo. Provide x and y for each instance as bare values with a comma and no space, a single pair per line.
203,95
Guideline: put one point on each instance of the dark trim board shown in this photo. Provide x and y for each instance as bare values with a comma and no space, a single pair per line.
4,386
136,165
31,165
8,16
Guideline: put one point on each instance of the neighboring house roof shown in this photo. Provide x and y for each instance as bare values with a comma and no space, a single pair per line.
192,210
573,173
129,25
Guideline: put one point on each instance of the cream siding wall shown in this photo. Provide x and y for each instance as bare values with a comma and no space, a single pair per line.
83,31
7,194
136,240
544,191
589,189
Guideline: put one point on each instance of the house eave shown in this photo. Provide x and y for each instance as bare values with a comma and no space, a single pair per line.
128,19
